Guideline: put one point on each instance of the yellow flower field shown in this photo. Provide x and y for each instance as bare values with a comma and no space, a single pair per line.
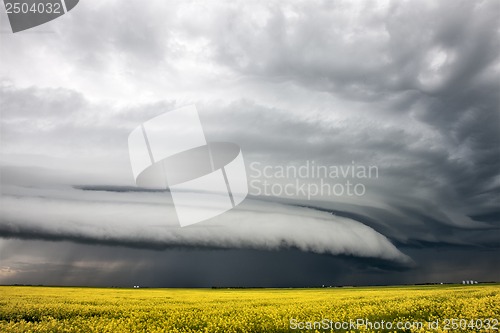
454,308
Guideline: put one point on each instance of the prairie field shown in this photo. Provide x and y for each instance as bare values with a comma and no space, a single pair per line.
438,308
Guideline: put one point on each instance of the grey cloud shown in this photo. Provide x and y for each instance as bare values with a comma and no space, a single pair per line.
148,220
63,263
436,178
421,160
130,34
410,87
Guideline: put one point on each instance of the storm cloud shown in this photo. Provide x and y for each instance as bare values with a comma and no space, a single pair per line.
411,88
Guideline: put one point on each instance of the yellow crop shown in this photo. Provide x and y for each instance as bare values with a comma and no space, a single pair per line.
61,309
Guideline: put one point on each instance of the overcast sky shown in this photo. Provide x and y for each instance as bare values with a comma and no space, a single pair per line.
410,87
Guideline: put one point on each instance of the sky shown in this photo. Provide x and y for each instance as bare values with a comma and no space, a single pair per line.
408,88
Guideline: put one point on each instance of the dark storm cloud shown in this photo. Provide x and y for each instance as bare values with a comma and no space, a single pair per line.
441,71
62,263
277,138
427,185
192,267
361,50
409,87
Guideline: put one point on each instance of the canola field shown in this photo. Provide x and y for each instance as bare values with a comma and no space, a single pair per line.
453,308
